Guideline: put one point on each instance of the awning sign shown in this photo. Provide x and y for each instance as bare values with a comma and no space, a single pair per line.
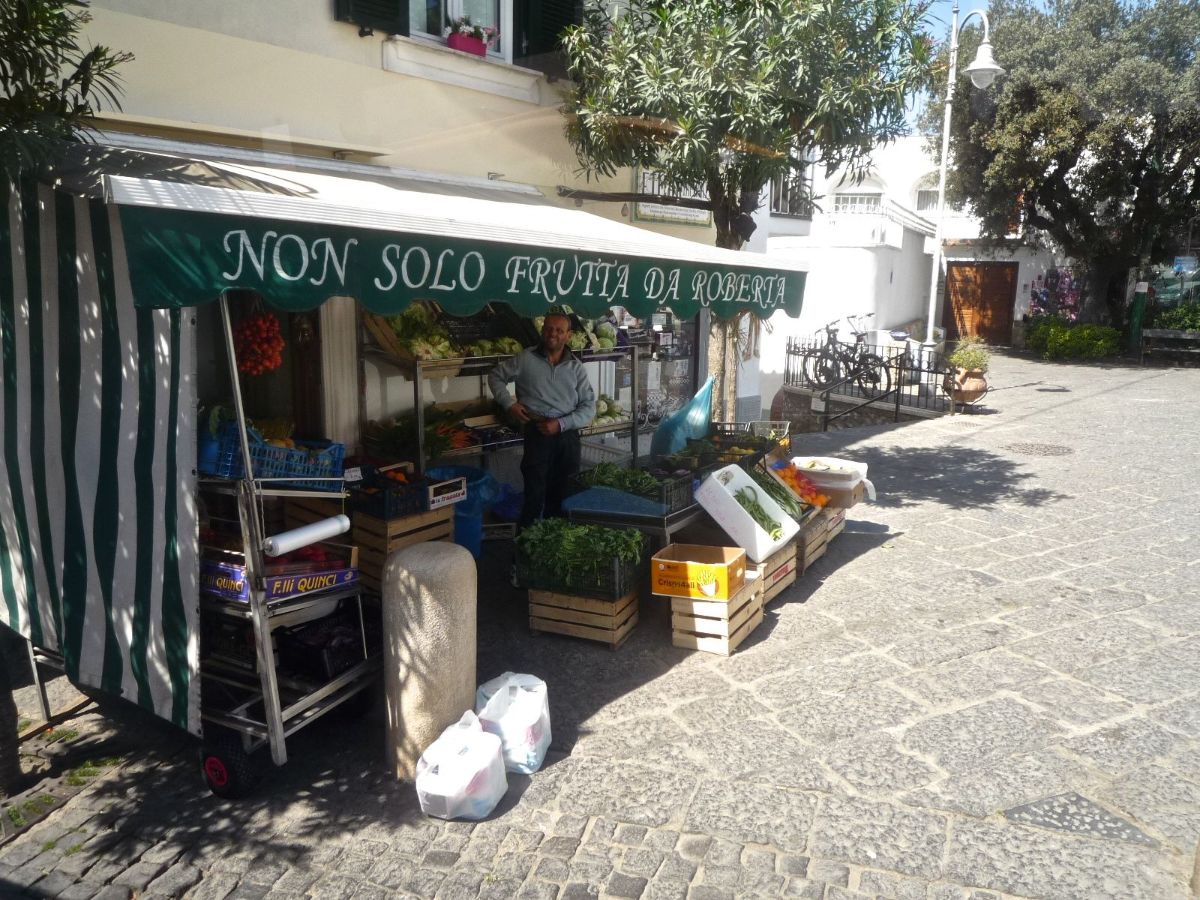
179,259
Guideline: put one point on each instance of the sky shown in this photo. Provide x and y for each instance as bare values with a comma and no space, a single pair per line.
939,19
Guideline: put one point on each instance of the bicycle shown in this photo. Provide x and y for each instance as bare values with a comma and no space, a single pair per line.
835,362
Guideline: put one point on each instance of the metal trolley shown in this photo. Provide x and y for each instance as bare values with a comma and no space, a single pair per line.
249,707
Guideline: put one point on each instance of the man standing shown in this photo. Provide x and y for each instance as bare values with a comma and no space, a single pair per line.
554,399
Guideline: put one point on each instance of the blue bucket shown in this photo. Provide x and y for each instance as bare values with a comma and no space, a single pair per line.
482,490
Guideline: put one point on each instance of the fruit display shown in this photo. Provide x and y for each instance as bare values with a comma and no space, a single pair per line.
797,482
258,343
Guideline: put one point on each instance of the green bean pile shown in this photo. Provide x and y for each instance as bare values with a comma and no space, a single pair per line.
748,498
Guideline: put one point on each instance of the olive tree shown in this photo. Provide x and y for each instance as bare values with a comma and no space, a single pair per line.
719,97
1091,141
715,95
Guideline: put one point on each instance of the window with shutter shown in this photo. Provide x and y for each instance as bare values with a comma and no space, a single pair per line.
386,15
538,26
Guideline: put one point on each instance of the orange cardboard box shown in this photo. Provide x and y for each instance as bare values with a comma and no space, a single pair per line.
693,570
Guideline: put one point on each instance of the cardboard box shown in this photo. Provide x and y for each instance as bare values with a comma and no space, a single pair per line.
692,570
845,498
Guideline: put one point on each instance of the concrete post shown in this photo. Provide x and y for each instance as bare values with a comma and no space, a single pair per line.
429,604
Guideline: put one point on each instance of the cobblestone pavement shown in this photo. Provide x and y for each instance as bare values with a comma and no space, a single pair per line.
987,688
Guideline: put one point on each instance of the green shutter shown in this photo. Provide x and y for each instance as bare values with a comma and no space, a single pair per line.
386,15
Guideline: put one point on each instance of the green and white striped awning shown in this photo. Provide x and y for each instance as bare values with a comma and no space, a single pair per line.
307,237
97,518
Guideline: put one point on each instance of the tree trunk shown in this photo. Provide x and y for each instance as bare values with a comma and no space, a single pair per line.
10,752
722,351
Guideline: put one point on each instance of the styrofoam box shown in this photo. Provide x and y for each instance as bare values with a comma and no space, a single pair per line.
715,494
841,473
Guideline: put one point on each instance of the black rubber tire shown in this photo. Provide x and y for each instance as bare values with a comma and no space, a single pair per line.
227,768
821,369
874,375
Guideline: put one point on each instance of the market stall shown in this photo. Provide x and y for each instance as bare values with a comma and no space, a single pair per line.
109,345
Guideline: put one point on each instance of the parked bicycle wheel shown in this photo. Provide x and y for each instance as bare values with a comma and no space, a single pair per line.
822,368
873,374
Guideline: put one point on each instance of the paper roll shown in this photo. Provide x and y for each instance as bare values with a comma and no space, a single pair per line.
287,541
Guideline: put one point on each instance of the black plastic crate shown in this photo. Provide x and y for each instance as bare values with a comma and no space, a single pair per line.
323,649
612,582
463,330
383,498
513,324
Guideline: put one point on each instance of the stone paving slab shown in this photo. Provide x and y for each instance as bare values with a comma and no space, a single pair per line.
1015,621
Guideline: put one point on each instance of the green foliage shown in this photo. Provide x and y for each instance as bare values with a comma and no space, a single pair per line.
1090,140
1184,317
716,96
51,81
579,555
632,481
971,354
1053,338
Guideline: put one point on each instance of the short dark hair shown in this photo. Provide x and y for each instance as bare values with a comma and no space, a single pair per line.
554,314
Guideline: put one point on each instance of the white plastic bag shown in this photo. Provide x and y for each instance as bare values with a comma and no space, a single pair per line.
461,774
516,708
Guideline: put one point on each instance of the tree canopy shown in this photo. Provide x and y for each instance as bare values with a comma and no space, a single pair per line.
1091,141
50,81
719,95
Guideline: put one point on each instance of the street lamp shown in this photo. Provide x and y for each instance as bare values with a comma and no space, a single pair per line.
983,72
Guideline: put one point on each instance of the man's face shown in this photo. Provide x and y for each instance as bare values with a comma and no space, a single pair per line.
556,331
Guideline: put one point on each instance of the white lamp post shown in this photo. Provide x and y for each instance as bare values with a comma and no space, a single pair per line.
983,72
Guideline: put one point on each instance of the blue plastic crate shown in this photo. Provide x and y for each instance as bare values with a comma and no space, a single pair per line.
309,460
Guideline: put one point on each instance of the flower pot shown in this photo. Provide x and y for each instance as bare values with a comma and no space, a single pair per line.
966,385
467,43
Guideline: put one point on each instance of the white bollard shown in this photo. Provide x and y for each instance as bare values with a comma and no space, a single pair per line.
429,605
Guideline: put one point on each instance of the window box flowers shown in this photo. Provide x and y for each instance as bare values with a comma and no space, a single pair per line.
463,34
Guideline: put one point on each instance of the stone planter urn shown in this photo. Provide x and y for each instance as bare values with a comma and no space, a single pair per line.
966,385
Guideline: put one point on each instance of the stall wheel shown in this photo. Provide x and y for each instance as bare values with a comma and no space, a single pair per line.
227,767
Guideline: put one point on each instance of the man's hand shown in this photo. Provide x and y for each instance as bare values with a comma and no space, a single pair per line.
549,426
520,413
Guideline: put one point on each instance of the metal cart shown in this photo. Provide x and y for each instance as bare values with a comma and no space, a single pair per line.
251,706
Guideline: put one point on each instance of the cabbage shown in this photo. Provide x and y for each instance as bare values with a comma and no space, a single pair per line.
606,343
538,321
423,349
606,330
507,345
578,341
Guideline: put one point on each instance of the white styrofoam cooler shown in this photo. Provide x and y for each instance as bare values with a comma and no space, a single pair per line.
715,494
830,471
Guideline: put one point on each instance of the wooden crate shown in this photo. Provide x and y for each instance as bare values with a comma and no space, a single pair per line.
777,572
376,538
299,511
715,626
811,541
835,523
607,621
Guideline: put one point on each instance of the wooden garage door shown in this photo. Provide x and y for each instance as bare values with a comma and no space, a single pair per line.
981,297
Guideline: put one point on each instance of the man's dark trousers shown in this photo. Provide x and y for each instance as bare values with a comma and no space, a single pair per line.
549,462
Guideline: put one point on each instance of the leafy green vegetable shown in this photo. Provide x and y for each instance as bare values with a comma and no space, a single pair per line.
747,497
778,493
580,555
632,481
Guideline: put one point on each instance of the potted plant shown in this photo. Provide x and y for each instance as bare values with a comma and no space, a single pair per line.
969,361
463,34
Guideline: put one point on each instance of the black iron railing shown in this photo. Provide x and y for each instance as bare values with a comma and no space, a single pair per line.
913,378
